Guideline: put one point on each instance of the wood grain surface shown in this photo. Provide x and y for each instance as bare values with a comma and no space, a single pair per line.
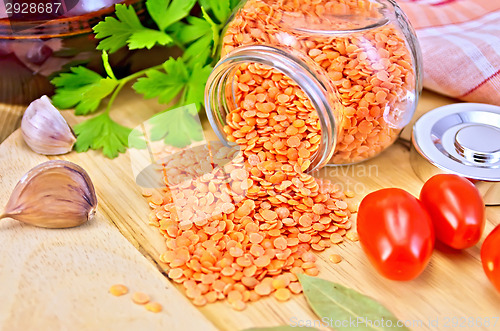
59,279
10,119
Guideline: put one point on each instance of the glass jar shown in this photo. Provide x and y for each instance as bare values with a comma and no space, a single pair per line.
40,38
357,63
39,41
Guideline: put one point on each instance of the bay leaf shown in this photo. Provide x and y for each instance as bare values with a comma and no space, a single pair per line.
283,328
346,309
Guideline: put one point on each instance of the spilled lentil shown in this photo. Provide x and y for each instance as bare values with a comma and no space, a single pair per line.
240,223
153,307
140,298
335,258
118,290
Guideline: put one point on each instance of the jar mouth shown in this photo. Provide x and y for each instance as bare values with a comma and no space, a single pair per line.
218,106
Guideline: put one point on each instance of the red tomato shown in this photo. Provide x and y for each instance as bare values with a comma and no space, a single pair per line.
456,208
490,257
396,233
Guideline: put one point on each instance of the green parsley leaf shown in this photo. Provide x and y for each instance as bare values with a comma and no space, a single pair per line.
71,86
177,79
78,77
107,65
101,132
199,51
147,38
94,95
166,85
216,29
128,30
234,3
167,12
196,36
181,79
116,32
177,127
196,28
82,88
157,9
221,8
195,86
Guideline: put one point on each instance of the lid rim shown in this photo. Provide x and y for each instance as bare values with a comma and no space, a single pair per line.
425,143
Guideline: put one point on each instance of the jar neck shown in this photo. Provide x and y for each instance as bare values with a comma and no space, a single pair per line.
220,98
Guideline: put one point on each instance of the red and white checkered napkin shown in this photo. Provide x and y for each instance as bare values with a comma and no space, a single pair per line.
460,41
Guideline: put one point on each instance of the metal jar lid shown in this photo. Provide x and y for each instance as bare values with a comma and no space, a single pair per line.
462,139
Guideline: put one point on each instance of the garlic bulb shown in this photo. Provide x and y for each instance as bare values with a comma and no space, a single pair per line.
54,194
45,130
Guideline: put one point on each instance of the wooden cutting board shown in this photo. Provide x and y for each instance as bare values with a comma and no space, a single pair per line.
59,279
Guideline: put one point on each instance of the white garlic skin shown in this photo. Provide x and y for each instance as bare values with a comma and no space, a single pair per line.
45,130
54,194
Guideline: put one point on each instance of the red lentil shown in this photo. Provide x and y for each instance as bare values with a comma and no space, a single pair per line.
295,287
118,290
282,294
352,236
140,298
154,307
243,230
335,258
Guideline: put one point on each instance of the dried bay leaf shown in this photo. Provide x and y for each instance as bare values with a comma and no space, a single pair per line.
352,310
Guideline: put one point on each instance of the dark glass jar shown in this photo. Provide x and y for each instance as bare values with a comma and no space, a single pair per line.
35,45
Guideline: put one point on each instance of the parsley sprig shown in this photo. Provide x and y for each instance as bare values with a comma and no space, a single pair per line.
182,79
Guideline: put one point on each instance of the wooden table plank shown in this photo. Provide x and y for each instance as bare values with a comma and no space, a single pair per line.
40,266
59,279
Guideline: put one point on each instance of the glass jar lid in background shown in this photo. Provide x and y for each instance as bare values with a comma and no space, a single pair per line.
462,139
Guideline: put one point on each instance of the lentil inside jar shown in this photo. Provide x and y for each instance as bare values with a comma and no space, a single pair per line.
362,55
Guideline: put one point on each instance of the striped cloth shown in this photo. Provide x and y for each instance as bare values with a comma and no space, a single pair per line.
460,41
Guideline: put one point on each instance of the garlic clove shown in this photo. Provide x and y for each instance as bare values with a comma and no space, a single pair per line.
54,194
45,130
